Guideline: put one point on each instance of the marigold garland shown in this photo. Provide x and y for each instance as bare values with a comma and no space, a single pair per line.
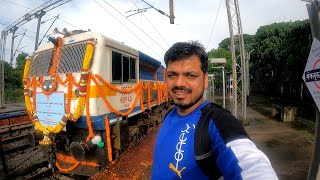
56,56
83,81
115,88
26,87
33,83
148,86
89,122
109,147
71,160
107,103
83,100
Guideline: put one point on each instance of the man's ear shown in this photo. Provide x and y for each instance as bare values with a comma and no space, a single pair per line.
206,81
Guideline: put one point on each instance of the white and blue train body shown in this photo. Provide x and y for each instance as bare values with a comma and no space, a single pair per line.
53,79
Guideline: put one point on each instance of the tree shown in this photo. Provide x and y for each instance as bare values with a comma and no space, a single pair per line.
13,79
20,63
281,50
248,39
220,53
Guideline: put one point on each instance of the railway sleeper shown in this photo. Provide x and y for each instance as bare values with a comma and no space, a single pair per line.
16,148
34,171
14,128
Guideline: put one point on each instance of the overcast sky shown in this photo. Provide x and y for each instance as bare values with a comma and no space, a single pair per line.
149,32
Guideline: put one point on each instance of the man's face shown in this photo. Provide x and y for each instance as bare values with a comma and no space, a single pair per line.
186,82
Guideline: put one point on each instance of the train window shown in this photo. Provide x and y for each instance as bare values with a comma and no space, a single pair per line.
132,68
116,67
123,68
126,73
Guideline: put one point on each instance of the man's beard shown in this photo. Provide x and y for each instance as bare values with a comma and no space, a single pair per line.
186,106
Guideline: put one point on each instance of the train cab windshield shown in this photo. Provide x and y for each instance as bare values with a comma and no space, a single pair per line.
71,59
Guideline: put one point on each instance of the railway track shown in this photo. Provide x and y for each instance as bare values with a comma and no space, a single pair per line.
12,114
21,157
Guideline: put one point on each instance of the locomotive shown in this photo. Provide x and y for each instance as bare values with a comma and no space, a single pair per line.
90,97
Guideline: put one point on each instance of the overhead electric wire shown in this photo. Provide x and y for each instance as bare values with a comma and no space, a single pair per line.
68,23
48,29
19,28
133,5
126,28
134,25
19,43
16,4
152,25
214,24
47,14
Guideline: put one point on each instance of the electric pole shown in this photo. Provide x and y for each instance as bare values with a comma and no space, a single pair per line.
35,13
314,169
171,16
238,60
171,9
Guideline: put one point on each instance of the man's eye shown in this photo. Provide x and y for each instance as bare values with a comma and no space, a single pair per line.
171,75
192,76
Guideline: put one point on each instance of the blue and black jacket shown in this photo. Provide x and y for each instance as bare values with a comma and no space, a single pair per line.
236,156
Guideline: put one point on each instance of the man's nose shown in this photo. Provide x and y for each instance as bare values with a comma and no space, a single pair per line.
180,81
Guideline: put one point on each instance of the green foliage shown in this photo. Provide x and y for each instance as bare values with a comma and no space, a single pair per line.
248,39
219,53
281,50
279,57
21,61
13,79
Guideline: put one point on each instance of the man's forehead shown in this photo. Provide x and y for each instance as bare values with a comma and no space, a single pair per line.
188,63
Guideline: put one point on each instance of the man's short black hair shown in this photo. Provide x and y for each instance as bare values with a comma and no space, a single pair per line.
184,50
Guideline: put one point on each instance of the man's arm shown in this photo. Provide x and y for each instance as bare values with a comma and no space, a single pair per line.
254,163
237,156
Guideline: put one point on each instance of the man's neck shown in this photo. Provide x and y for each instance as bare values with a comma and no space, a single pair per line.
184,112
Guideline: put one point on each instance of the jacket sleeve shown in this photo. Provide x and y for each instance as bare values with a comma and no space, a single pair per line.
237,156
254,163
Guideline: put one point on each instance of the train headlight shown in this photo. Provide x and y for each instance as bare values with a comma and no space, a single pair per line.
47,85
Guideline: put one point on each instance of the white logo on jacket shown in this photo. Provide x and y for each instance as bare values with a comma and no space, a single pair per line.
178,156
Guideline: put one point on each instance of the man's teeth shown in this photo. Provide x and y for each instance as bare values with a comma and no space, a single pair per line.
181,92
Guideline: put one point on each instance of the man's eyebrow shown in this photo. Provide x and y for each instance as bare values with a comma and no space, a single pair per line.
184,73
171,72
190,72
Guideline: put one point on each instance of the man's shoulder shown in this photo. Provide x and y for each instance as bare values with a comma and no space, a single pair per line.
228,126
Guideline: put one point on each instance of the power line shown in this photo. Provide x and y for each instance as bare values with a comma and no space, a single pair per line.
47,14
214,24
68,23
133,5
19,50
152,25
19,28
49,28
134,25
16,4
126,27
